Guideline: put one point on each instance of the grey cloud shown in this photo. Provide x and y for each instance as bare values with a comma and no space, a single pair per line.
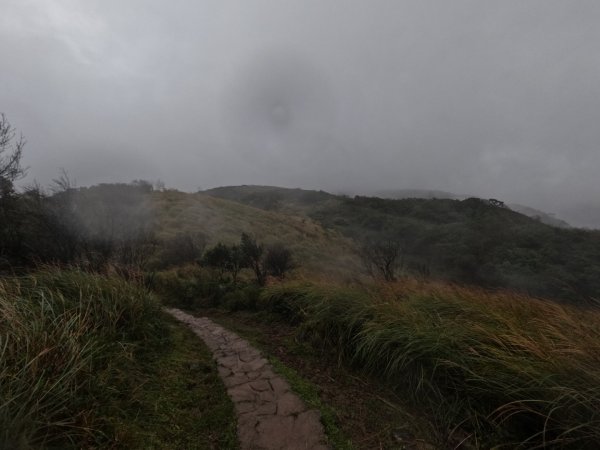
497,99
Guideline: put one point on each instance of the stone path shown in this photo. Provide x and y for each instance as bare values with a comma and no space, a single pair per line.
270,415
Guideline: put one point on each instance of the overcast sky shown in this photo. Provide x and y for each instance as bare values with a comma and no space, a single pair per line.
488,98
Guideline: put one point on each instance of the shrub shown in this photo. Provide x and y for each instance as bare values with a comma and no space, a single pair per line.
242,298
278,260
190,287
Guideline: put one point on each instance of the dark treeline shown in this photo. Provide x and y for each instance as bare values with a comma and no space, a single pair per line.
476,241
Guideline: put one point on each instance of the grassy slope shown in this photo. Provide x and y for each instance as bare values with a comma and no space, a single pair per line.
316,249
89,361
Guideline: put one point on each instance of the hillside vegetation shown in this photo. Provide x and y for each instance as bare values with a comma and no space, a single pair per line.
471,241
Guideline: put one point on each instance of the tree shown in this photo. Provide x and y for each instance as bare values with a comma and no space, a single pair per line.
219,258
11,150
225,258
382,258
278,260
184,247
238,261
254,253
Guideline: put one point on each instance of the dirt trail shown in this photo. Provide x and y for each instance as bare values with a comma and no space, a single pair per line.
270,416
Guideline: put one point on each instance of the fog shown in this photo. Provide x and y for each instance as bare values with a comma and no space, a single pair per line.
493,99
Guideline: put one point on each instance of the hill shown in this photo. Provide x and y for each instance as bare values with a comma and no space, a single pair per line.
548,219
315,248
471,241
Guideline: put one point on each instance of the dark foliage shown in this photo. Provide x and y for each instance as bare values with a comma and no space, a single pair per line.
218,258
183,248
254,254
478,242
278,260
11,150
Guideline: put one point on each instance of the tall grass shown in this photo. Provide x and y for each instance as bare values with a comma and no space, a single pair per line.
512,370
58,332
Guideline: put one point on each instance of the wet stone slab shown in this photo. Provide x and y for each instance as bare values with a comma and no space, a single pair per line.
270,415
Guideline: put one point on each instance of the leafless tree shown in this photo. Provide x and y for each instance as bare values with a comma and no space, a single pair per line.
382,258
11,150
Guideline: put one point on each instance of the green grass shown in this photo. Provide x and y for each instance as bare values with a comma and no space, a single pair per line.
508,369
177,400
61,332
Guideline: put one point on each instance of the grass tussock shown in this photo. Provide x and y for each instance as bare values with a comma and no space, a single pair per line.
512,370
60,334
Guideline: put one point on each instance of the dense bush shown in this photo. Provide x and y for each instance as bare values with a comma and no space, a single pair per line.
243,297
194,287
278,260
